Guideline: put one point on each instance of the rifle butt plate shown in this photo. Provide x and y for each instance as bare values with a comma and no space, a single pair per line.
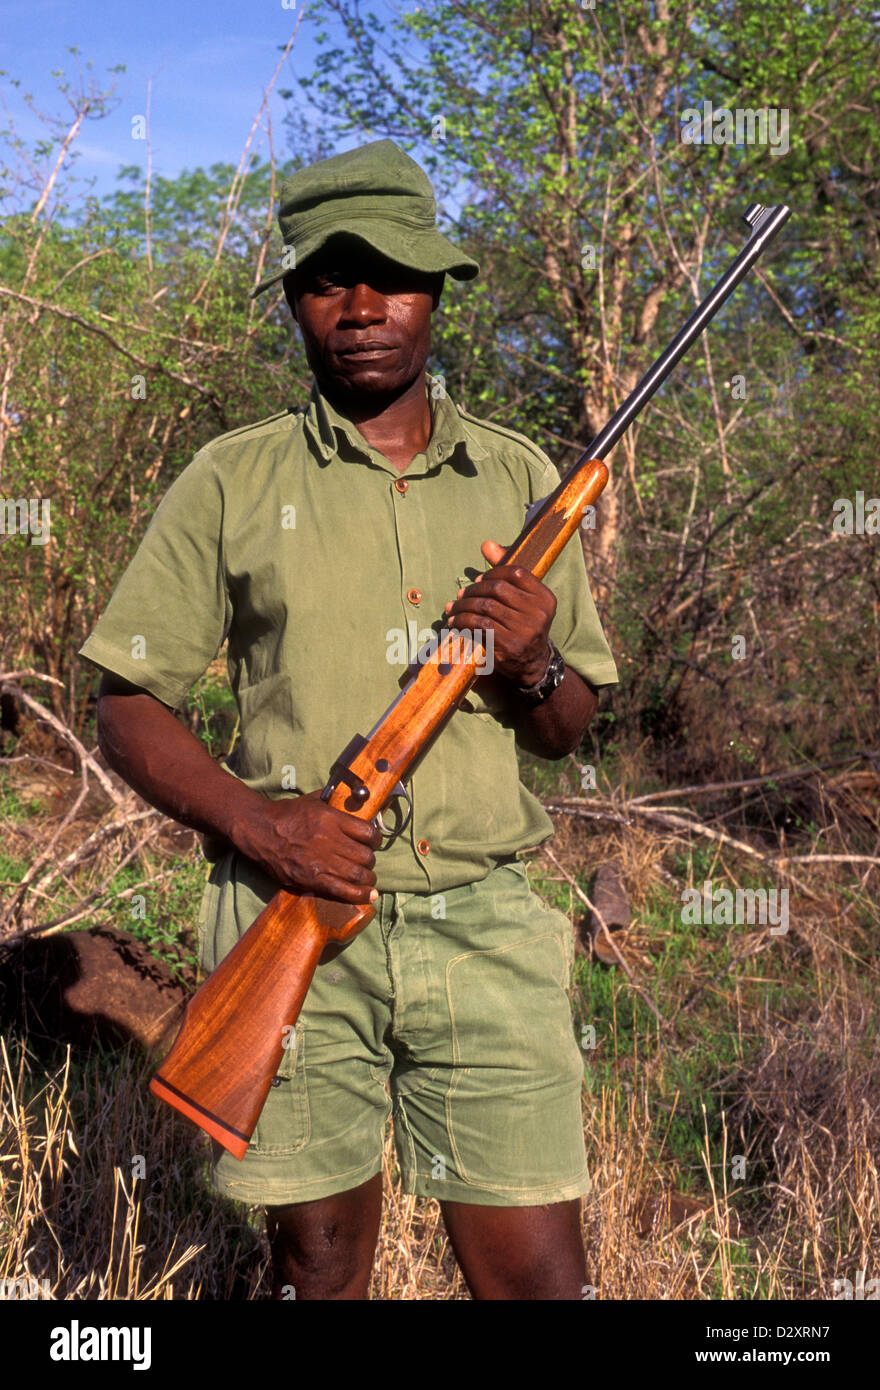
231,1139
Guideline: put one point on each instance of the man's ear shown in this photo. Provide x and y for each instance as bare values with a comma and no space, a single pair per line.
439,282
288,285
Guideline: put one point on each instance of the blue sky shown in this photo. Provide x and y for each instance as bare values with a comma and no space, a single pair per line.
209,59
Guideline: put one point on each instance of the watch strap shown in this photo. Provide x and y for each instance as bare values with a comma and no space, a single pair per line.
551,679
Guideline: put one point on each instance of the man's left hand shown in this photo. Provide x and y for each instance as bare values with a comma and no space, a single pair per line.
517,607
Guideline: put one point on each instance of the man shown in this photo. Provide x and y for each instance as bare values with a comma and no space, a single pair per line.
316,541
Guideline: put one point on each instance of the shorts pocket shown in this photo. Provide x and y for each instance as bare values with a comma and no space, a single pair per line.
284,1125
517,866
513,1104
552,915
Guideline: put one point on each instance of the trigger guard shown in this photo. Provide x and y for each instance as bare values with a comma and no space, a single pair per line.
390,834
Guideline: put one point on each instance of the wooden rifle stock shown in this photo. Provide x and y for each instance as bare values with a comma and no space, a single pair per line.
236,1026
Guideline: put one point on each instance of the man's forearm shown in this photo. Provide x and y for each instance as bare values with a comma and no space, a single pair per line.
168,766
555,727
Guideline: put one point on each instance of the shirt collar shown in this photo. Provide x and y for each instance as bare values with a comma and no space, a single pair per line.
324,425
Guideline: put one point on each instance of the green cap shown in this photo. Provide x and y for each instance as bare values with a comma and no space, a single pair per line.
376,193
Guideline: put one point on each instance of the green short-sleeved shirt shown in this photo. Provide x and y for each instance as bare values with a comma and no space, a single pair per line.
325,568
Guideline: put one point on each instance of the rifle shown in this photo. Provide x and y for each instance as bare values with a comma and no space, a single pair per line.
238,1023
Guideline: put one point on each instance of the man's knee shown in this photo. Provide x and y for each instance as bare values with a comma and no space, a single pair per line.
519,1252
325,1248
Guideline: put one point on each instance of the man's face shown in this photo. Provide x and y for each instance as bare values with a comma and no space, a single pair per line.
365,321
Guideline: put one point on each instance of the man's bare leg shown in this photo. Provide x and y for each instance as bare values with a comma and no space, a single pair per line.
325,1249
519,1252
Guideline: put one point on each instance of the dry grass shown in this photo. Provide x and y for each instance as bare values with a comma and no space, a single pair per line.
811,1110
73,1214
805,1114
766,1057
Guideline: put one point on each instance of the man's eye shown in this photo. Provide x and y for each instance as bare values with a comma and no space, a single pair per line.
325,283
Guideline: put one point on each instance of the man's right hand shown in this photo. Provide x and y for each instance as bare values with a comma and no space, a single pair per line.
310,847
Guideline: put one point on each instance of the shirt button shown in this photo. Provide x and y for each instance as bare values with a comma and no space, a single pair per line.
414,595
401,484
423,846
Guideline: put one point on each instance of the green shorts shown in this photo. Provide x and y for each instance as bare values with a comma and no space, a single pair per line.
449,1011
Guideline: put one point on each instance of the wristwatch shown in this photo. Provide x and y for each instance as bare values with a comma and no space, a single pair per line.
552,677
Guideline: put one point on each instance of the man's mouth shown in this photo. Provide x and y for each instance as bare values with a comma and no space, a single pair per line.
366,352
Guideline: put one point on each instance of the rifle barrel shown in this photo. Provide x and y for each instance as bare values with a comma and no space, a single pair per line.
765,223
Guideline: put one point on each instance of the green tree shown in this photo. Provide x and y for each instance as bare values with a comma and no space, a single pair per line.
130,340
558,137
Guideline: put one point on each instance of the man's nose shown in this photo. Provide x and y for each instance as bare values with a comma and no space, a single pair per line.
363,305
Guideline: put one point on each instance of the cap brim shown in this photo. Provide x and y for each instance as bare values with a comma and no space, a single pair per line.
426,251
